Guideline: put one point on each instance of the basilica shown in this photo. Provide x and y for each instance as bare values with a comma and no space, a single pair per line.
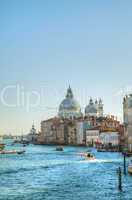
71,126
70,108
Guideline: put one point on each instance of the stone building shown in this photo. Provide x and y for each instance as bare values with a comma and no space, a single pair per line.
70,127
80,132
127,114
60,131
108,123
109,138
52,132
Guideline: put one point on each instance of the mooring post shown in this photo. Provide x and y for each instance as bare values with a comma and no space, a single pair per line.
124,164
119,179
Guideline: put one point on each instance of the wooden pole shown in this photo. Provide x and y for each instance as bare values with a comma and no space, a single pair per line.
119,179
124,164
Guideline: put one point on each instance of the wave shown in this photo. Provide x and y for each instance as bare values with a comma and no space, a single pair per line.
33,168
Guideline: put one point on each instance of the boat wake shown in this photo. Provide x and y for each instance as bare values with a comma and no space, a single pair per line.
97,161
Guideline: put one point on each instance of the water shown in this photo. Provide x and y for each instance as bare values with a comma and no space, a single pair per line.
44,174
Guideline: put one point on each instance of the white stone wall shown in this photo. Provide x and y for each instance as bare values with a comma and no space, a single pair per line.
79,128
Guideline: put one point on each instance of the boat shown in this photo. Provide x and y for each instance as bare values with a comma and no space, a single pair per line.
21,152
3,151
59,149
12,151
130,167
89,156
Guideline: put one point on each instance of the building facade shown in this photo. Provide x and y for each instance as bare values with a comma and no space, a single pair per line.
80,132
127,114
109,138
92,137
71,127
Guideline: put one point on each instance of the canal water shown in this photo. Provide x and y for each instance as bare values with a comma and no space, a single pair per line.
45,174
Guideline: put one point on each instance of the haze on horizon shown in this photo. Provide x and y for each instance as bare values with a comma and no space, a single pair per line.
47,45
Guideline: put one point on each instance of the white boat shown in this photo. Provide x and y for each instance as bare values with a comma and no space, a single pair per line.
12,152
89,156
130,167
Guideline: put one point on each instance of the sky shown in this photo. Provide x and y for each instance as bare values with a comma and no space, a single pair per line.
45,45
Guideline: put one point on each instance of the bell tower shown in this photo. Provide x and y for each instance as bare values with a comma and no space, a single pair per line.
100,108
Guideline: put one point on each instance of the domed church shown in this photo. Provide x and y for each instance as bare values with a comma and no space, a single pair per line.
94,108
69,107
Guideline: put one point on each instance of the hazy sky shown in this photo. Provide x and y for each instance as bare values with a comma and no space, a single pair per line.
45,45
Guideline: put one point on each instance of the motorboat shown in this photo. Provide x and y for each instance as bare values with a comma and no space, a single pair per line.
12,151
130,167
59,148
6,151
85,153
21,152
89,156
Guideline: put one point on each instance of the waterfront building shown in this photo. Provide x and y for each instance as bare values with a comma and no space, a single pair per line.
71,133
109,123
58,131
92,137
127,115
77,131
80,132
64,131
109,138
48,132
70,127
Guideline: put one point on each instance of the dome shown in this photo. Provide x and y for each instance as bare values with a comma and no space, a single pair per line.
69,104
91,109
69,107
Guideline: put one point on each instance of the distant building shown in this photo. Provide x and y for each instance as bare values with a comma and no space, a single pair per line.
33,135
